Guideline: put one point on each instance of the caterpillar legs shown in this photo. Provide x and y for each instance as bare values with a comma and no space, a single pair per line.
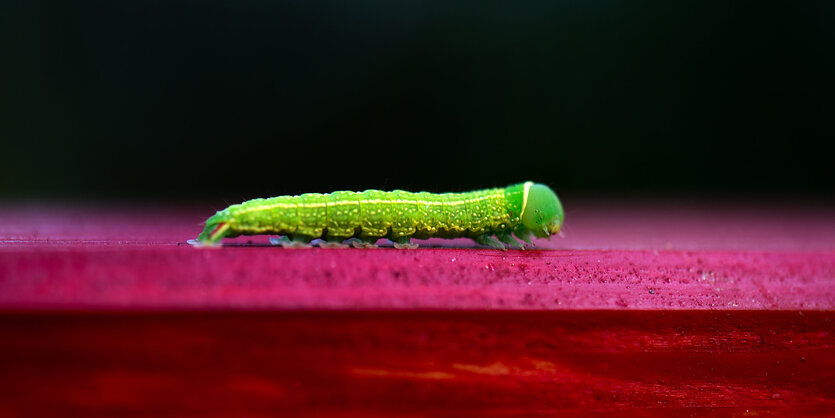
304,241
403,243
298,241
489,241
333,242
364,242
524,235
503,239
508,239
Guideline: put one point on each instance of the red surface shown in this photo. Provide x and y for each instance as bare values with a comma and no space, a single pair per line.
745,363
648,310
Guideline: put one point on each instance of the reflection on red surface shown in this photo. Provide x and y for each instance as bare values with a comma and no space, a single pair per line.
381,363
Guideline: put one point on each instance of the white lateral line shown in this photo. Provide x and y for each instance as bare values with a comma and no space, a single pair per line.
525,198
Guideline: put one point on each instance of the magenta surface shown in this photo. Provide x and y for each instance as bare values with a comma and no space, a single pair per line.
615,256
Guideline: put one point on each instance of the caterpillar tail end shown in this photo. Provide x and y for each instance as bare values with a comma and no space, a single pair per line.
212,234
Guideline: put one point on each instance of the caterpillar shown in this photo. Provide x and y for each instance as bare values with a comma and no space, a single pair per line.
362,218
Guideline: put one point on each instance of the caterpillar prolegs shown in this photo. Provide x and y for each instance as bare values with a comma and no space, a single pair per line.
490,217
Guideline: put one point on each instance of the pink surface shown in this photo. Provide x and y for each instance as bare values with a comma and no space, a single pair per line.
659,257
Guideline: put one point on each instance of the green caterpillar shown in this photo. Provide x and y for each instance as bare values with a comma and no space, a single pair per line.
522,209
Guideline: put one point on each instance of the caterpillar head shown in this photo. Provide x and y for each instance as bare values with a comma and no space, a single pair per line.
542,212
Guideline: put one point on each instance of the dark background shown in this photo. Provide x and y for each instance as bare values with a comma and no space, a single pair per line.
241,99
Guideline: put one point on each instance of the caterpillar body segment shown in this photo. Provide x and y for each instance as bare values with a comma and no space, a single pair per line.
524,210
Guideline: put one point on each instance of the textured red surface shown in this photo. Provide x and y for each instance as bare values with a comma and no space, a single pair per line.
724,310
419,363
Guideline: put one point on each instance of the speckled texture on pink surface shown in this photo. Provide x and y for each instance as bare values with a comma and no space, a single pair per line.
136,259
261,277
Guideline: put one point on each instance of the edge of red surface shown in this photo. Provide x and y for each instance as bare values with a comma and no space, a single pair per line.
256,278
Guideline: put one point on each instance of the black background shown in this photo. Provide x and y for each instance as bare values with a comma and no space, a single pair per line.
240,99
